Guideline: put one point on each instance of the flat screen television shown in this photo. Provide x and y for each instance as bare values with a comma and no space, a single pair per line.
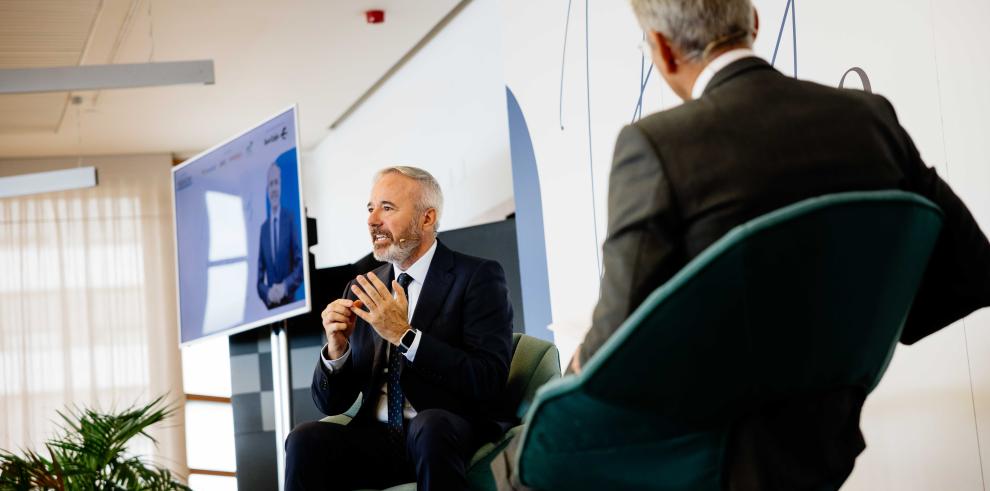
240,232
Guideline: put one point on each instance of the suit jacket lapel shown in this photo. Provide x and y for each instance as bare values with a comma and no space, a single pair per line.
435,288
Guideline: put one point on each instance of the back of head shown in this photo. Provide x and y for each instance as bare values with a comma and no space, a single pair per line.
698,27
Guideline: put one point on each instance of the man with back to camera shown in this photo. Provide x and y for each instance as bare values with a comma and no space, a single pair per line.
279,250
746,141
425,360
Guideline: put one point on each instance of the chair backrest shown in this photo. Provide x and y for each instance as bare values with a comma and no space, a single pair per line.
810,297
534,363
804,299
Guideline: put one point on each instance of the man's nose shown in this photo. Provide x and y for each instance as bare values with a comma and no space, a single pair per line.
374,218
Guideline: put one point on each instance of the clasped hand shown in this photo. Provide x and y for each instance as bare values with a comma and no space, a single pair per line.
276,293
387,314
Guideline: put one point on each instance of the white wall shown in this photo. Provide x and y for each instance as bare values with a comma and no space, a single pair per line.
444,111
921,423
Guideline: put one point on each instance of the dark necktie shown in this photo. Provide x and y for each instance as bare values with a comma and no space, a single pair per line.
396,400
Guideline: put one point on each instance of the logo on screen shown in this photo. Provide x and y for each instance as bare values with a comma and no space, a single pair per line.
277,136
183,183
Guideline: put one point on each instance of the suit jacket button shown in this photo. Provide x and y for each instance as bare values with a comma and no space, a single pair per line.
323,383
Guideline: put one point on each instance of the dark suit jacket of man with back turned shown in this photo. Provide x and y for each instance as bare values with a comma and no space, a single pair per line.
754,142
462,362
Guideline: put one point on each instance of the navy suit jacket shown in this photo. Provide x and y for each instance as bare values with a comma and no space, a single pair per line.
462,362
287,265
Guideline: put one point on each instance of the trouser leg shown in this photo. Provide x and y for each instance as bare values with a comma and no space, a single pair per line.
439,444
329,456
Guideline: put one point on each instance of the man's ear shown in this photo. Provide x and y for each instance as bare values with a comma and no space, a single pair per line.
430,218
663,52
756,23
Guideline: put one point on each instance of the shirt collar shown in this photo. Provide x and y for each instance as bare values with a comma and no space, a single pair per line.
721,61
419,268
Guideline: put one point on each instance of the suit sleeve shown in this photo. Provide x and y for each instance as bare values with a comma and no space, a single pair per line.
641,250
479,371
334,393
957,280
262,287
295,278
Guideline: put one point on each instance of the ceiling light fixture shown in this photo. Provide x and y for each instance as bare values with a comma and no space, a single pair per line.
47,182
99,77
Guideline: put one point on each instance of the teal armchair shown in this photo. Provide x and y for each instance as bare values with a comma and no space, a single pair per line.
799,301
534,363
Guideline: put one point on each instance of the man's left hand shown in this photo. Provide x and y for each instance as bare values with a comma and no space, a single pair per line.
387,314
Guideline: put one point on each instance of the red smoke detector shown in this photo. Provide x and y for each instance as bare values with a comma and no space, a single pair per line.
375,16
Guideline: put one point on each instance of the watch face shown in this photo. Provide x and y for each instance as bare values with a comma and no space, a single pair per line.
407,339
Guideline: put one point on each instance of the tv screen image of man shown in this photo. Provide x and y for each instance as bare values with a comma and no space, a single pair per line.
425,340
749,140
280,251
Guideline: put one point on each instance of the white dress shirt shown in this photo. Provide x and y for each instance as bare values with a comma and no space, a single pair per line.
417,272
721,61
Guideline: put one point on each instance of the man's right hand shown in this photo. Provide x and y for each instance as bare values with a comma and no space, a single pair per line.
338,323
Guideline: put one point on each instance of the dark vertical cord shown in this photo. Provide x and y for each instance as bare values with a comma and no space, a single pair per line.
563,59
972,396
969,362
638,111
794,32
780,33
591,165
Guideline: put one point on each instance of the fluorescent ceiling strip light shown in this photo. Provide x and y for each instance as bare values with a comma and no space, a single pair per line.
98,77
47,182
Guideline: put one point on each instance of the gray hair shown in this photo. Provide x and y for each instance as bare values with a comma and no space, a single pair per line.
698,26
430,195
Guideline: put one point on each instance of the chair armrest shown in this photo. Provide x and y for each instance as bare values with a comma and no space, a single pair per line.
489,449
479,472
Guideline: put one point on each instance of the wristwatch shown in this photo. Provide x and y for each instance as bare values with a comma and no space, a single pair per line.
407,340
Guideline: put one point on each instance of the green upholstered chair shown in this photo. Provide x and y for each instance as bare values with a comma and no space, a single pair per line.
534,363
807,298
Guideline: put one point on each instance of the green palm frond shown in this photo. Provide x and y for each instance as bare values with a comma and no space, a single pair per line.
90,454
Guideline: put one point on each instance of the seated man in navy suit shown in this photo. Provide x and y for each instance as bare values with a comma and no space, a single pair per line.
426,341
279,252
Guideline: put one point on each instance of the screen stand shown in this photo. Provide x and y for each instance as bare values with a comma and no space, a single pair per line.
282,390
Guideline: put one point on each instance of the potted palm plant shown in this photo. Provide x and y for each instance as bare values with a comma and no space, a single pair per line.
90,454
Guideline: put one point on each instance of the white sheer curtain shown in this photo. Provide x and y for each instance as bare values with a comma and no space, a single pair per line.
87,301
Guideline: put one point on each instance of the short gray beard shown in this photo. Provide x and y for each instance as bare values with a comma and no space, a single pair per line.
397,252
